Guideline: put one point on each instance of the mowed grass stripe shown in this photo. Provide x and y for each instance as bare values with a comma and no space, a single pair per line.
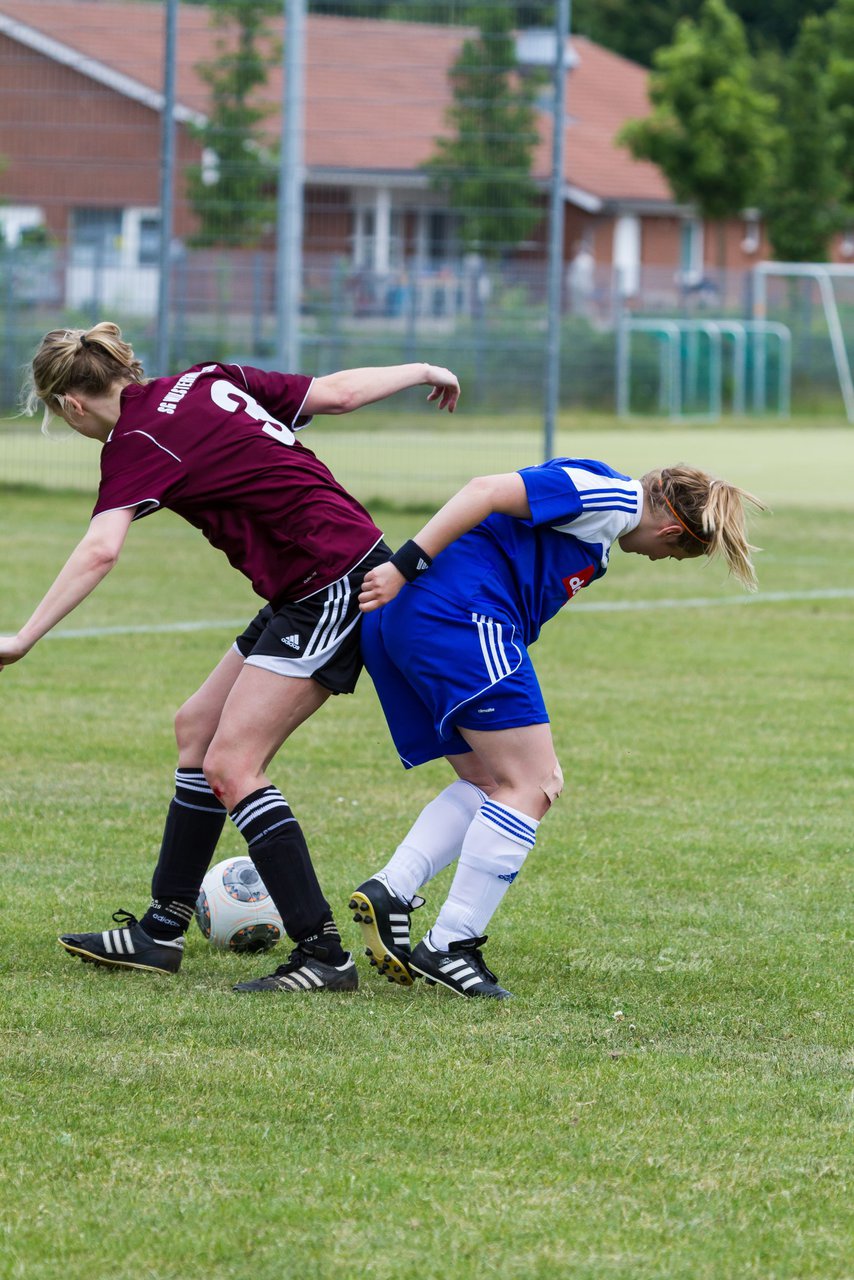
404,458
594,606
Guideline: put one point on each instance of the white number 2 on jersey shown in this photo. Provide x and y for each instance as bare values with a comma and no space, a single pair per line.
227,396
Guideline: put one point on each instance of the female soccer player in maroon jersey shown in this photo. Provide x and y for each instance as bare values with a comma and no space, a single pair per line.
217,445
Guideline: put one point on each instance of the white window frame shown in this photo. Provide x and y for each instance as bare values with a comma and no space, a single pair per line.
132,218
17,218
692,272
626,256
378,227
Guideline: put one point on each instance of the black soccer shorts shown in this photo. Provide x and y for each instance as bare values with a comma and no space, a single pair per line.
316,638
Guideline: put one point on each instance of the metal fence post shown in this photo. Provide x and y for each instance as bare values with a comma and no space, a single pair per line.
167,178
555,266
289,210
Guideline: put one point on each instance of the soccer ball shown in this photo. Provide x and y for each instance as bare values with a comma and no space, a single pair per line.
234,910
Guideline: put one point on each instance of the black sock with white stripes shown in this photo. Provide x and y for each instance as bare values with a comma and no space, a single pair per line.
193,826
278,848
167,919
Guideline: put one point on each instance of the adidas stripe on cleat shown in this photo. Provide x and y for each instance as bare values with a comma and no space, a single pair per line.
306,970
127,947
384,921
461,968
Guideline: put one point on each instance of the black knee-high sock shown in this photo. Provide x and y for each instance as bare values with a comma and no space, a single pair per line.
193,826
278,848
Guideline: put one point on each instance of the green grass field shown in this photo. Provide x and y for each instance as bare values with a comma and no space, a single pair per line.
416,457
695,876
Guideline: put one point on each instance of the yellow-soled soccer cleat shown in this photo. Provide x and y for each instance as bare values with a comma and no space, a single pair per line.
384,921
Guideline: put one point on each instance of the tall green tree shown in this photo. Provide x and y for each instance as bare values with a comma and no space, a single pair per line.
711,132
804,203
776,24
485,163
233,192
637,28
841,78
633,28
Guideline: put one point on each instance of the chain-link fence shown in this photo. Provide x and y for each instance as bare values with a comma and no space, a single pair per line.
424,188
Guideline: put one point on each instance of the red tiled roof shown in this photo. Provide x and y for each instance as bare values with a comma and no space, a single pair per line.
376,92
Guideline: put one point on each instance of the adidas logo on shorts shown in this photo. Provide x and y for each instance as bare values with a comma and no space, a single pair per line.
291,641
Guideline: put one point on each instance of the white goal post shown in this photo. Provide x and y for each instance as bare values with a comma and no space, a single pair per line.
822,273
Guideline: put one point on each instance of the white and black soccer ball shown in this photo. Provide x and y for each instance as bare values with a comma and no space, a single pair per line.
234,910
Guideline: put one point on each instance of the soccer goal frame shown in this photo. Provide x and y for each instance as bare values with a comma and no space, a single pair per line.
678,370
823,274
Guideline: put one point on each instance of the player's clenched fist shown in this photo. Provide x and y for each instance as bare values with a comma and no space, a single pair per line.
379,586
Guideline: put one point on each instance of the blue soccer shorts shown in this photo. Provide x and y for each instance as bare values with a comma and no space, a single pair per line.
438,667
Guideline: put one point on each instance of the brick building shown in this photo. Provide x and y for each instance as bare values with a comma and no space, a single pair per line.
80,128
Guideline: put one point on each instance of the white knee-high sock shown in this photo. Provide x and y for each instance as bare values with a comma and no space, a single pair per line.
434,840
494,849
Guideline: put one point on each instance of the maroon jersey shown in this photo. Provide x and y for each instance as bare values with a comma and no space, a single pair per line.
216,445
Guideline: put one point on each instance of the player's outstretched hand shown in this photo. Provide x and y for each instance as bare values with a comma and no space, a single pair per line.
11,650
380,585
446,387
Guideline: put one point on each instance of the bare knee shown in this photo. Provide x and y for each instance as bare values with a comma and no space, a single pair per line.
193,731
533,793
220,775
232,774
552,785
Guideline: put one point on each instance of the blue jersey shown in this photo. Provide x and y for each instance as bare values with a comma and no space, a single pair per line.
525,570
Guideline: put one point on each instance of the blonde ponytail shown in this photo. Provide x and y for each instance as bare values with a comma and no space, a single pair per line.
712,515
89,360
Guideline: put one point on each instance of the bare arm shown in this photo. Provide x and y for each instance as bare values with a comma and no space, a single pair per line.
352,388
90,561
471,504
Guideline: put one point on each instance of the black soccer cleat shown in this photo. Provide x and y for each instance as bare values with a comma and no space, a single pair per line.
128,947
384,920
306,970
461,968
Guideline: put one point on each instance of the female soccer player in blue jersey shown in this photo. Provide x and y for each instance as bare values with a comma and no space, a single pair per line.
446,641
217,445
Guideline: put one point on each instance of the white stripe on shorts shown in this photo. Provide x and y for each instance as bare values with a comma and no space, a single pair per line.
491,636
325,633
